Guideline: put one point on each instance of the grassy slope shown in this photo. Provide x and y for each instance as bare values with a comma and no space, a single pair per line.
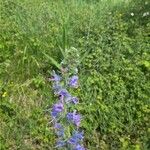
115,73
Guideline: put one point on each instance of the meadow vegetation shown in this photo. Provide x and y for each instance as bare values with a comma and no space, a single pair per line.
113,40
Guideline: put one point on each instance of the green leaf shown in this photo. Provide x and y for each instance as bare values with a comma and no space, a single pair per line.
84,55
62,51
53,61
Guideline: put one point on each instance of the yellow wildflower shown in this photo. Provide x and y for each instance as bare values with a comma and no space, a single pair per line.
4,94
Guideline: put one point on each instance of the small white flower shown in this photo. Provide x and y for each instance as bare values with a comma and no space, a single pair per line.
132,14
145,14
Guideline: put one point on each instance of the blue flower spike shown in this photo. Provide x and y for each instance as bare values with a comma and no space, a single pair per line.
63,117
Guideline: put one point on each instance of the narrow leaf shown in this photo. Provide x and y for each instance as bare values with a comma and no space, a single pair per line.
84,55
53,61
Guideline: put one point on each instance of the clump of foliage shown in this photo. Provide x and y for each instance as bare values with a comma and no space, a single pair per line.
112,38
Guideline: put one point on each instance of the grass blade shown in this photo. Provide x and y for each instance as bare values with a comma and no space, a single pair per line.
53,61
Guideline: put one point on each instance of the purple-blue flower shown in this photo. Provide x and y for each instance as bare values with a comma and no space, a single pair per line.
76,138
73,140
60,132
55,77
57,108
57,126
63,92
79,147
73,81
59,129
54,114
75,100
70,99
75,118
78,135
60,143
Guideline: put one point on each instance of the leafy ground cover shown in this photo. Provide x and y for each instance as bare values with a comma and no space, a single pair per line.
112,38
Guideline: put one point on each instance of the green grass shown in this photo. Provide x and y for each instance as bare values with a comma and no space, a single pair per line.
114,72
